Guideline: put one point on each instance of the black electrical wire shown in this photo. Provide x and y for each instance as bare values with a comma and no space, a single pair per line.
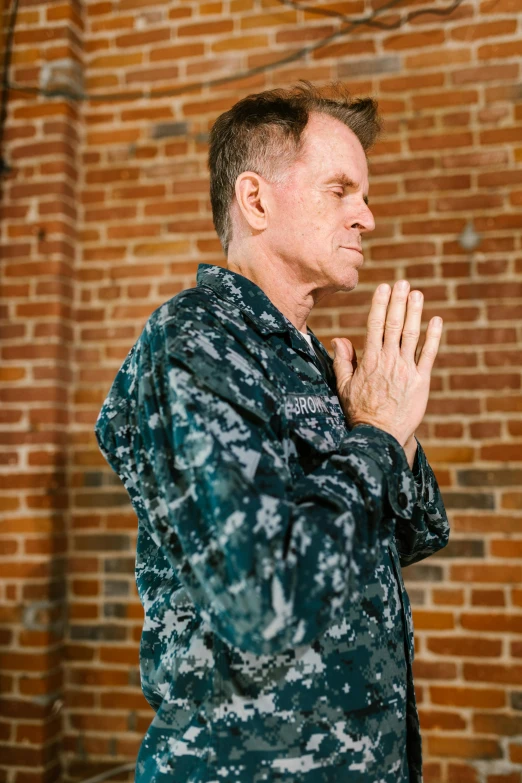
368,21
4,168
380,25
292,57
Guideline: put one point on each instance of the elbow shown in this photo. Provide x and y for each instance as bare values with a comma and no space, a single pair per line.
269,634
271,629
256,643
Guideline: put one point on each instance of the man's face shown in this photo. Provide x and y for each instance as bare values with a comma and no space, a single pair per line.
320,212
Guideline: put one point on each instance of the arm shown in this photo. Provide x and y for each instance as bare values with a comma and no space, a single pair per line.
268,563
428,529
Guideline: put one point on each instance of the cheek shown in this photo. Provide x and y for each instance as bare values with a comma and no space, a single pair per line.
301,219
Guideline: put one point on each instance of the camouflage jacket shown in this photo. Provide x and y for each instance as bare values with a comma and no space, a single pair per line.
278,641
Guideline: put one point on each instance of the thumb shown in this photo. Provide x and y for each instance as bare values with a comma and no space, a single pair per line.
345,360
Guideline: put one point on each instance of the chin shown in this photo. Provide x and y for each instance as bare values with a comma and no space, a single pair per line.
347,282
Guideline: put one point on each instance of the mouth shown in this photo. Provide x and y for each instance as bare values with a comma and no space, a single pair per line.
357,249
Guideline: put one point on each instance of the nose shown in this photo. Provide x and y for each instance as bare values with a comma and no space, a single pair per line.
364,220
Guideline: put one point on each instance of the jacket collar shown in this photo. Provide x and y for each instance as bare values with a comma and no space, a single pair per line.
252,300
244,294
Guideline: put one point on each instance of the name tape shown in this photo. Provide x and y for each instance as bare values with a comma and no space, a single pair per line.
312,405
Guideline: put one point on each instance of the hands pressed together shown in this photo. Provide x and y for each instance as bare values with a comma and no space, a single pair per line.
388,388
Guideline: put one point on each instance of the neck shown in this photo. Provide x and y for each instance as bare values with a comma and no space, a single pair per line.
292,297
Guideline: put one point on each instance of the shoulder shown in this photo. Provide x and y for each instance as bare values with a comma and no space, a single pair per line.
202,307
214,346
196,321
190,304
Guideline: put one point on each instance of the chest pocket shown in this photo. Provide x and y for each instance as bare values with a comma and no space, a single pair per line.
314,425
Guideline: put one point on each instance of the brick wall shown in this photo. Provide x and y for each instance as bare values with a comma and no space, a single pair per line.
106,215
39,251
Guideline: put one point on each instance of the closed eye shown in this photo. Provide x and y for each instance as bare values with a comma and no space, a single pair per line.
341,195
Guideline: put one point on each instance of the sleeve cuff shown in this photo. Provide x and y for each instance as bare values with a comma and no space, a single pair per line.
420,475
388,453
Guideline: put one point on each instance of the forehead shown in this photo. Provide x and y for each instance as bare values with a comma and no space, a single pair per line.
330,146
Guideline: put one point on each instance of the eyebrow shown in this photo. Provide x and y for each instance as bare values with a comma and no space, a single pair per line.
344,179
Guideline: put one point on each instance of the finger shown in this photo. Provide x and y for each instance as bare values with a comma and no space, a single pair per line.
430,347
376,318
343,367
411,329
394,323
343,349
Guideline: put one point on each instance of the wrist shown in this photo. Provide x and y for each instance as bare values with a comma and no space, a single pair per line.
410,449
379,426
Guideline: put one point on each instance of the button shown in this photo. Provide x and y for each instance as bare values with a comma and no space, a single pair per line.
403,500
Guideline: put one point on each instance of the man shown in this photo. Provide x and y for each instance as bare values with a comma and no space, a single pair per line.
274,488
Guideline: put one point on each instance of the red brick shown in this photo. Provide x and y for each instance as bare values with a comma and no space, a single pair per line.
499,6
464,646
504,49
404,208
443,141
463,747
99,723
206,28
486,573
414,40
119,700
502,135
441,721
511,500
448,597
507,451
142,38
515,753
440,226
510,777
462,773
428,620
102,677
402,250
489,672
452,182
412,82
480,336
495,723
434,670
499,623
434,58
444,99
488,598
456,118
474,32
502,381
342,49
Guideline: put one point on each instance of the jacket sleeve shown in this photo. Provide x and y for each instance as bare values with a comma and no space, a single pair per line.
268,562
427,530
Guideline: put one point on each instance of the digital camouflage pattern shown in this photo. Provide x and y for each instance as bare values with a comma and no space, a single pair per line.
278,639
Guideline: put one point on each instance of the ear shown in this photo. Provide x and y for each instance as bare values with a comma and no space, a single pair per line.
251,196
